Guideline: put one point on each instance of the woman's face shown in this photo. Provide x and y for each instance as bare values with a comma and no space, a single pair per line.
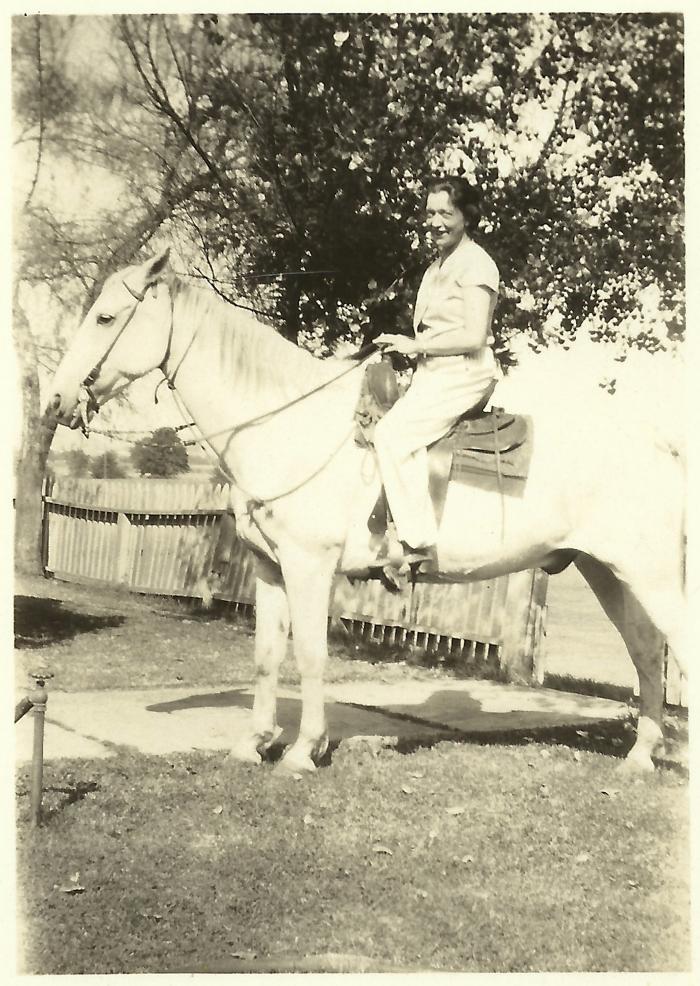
445,222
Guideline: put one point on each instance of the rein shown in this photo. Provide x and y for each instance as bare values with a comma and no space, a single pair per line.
358,358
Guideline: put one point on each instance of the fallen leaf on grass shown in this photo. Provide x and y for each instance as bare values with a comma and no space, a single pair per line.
406,789
632,884
583,857
467,859
610,792
382,849
458,810
218,810
72,887
543,791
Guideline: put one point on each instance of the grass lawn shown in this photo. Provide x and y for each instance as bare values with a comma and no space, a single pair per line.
471,858
93,638
477,858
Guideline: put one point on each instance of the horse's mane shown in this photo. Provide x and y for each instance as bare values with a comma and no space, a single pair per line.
252,352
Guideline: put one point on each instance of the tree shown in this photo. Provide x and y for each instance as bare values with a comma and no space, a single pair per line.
78,462
160,454
95,125
106,465
571,123
219,477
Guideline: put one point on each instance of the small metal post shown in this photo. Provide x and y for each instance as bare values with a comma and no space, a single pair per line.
38,697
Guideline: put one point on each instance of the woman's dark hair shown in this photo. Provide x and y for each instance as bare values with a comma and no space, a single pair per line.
463,196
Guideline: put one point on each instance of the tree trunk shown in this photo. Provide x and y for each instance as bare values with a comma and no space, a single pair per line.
37,432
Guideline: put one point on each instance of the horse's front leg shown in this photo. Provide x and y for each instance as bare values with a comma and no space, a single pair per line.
271,635
308,581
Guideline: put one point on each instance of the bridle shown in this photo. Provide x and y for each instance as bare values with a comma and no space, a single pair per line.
87,401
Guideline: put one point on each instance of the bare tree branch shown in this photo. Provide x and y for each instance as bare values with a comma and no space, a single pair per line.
159,96
40,138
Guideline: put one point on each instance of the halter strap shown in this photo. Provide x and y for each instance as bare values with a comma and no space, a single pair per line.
133,293
138,296
94,372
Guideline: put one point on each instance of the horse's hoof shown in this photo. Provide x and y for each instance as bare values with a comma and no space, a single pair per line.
263,741
637,763
244,752
296,762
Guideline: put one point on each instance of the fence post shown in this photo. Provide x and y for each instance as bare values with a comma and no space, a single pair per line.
46,491
124,561
522,645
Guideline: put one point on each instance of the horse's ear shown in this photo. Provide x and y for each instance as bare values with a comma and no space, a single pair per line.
154,267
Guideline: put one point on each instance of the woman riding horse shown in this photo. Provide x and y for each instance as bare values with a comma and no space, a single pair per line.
456,367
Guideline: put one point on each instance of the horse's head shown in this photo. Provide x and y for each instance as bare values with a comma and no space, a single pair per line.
125,334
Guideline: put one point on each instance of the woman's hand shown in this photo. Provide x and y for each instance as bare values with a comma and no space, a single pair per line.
391,343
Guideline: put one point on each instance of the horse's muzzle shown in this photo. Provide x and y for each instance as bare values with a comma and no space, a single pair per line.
81,414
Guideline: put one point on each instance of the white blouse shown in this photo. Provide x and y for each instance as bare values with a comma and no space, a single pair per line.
440,302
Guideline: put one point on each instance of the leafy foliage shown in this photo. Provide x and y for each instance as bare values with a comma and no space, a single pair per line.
78,463
160,454
106,465
571,124
286,155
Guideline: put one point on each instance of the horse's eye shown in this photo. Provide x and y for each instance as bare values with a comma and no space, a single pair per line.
104,319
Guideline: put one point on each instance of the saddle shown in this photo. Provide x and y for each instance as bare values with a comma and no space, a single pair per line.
491,448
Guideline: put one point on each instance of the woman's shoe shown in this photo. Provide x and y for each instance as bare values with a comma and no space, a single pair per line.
422,560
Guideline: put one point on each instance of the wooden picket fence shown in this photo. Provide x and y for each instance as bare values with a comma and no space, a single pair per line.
159,536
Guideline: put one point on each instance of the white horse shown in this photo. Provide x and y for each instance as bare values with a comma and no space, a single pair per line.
304,490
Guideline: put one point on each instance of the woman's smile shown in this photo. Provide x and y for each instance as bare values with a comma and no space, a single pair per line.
445,223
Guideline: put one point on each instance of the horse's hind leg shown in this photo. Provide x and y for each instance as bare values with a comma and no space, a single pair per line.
646,648
271,635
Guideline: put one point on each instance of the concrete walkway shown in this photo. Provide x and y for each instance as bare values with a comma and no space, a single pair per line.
168,720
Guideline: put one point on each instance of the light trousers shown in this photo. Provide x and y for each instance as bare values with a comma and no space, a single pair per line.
442,389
